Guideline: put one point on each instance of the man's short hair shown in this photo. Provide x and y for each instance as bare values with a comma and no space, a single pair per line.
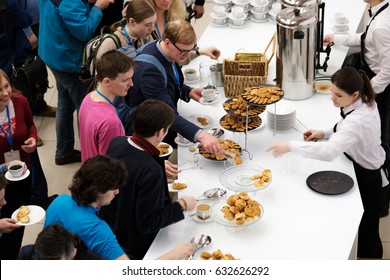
113,63
151,116
180,31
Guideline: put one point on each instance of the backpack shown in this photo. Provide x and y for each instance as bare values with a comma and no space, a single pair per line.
88,70
137,55
30,78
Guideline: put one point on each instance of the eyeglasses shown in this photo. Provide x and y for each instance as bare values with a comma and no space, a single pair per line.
195,48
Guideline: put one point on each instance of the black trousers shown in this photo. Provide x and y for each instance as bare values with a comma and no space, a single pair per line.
370,187
383,102
16,194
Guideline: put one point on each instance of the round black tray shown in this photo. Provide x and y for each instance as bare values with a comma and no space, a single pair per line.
329,182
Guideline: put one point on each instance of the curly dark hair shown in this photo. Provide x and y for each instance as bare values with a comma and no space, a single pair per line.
96,176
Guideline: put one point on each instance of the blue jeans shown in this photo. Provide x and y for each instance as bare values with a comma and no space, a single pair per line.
70,96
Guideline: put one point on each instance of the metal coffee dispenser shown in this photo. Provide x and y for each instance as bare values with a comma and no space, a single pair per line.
296,52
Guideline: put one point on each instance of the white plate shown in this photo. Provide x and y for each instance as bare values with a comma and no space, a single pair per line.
237,178
36,214
193,119
238,26
346,22
170,189
204,102
193,81
178,142
199,220
9,177
345,31
170,150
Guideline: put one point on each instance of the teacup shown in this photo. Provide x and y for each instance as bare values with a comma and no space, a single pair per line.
340,28
219,11
340,18
16,168
203,211
237,12
190,74
261,3
209,94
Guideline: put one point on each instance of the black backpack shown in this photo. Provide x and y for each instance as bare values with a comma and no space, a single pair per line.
31,78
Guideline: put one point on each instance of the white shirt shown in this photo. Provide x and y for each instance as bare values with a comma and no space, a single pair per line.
377,46
359,135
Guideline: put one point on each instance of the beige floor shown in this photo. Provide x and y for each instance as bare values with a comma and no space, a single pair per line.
59,177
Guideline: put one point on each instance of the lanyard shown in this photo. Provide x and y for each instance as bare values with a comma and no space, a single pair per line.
177,78
158,30
127,35
8,136
105,97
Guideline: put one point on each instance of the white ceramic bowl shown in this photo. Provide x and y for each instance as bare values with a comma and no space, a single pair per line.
340,18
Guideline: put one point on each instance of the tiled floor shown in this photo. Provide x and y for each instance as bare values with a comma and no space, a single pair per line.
59,177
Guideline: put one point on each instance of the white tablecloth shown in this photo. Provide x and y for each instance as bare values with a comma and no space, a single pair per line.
298,223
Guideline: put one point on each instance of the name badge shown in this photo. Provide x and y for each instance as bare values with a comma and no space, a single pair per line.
12,155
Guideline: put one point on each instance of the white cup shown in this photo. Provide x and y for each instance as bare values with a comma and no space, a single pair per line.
340,18
203,210
16,168
261,3
219,11
209,94
190,74
237,11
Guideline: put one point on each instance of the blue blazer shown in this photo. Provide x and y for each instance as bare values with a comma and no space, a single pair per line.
149,83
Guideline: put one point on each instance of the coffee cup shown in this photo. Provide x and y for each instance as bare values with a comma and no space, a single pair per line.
237,12
190,74
219,11
203,211
209,94
340,18
16,168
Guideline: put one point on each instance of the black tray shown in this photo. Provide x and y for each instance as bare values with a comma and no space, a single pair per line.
330,182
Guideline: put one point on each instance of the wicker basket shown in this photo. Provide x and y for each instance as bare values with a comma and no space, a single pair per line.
246,69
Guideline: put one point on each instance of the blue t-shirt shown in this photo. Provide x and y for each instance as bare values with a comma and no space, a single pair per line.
83,221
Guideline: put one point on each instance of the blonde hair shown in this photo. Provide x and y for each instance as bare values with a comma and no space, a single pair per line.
177,10
180,31
4,75
138,10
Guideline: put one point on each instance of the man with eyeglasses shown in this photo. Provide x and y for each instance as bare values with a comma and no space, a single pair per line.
172,50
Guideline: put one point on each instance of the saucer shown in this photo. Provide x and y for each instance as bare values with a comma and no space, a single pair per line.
9,177
213,15
252,18
219,25
178,142
204,102
346,22
238,26
193,81
340,32
199,220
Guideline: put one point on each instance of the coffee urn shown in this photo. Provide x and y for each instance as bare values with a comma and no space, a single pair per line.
311,5
296,52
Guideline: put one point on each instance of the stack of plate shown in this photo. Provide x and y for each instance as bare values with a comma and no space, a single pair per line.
281,115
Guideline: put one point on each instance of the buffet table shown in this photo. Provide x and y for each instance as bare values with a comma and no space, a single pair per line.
298,223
